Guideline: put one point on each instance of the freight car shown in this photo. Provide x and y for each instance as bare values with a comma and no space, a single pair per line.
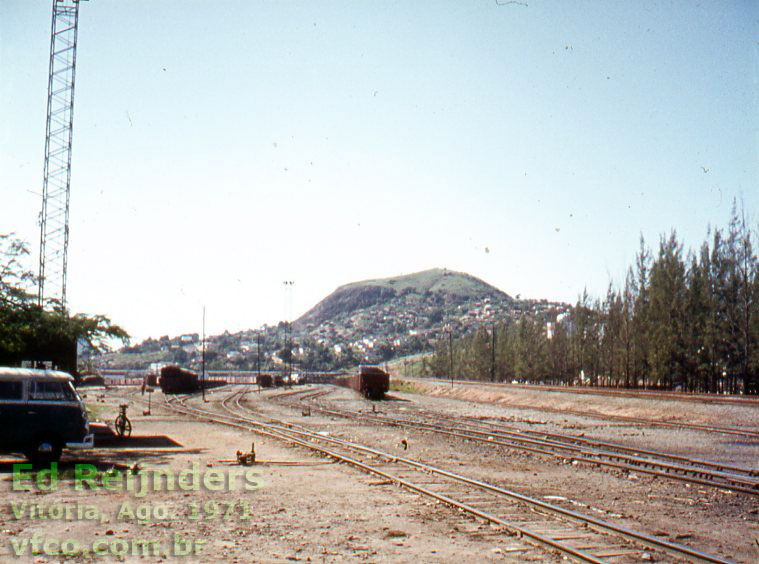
370,381
175,380
264,380
91,380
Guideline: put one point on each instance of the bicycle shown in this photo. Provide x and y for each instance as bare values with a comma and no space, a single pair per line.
122,424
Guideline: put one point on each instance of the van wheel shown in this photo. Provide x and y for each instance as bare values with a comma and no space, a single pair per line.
44,450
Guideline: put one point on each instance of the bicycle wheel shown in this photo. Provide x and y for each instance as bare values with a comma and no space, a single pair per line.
123,426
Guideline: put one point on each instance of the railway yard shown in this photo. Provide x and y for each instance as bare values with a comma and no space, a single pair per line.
431,474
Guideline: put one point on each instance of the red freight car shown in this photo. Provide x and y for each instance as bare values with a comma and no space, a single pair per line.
371,381
175,380
264,380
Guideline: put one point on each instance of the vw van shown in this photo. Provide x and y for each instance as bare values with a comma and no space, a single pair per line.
41,414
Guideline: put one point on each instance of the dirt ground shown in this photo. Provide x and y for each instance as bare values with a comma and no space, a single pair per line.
306,508
296,506
656,409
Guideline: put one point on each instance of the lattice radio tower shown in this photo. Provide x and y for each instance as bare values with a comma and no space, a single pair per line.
54,217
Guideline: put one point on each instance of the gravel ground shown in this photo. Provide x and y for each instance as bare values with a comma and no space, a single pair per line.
308,509
655,409
485,403
705,518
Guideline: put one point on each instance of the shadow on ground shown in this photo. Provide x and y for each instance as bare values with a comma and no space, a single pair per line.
125,455
152,441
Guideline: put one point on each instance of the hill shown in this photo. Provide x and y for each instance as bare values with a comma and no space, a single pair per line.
437,286
369,321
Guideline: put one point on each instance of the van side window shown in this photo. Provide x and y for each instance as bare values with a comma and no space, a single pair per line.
10,390
50,391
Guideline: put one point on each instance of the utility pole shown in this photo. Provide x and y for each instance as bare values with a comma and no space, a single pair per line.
203,359
258,356
56,184
288,328
450,355
492,357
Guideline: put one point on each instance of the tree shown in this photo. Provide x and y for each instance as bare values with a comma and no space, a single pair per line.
666,348
699,363
743,276
29,332
285,354
627,330
688,322
558,354
641,324
15,281
582,338
611,335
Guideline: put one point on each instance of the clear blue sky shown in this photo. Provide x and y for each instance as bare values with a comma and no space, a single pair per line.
223,147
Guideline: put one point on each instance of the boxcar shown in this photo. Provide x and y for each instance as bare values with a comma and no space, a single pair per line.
264,380
371,381
175,380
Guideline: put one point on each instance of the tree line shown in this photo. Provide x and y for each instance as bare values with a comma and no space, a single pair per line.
31,333
684,321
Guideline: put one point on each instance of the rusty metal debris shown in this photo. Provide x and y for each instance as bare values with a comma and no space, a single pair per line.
248,458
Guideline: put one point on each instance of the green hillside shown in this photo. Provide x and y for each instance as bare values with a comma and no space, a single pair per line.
434,280
420,293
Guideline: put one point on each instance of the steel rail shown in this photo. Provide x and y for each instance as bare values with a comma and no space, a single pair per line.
730,471
597,458
639,421
283,435
593,442
633,464
646,540
693,397
734,482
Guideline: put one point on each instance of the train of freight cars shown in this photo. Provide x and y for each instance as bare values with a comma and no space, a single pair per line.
267,380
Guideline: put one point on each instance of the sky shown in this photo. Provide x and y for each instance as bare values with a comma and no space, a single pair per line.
222,148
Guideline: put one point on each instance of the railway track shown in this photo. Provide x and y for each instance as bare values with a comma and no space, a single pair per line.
579,537
733,431
625,393
566,447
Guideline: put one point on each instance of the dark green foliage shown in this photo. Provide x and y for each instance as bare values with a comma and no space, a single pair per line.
29,332
680,322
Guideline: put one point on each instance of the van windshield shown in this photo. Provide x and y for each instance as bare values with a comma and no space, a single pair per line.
52,391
